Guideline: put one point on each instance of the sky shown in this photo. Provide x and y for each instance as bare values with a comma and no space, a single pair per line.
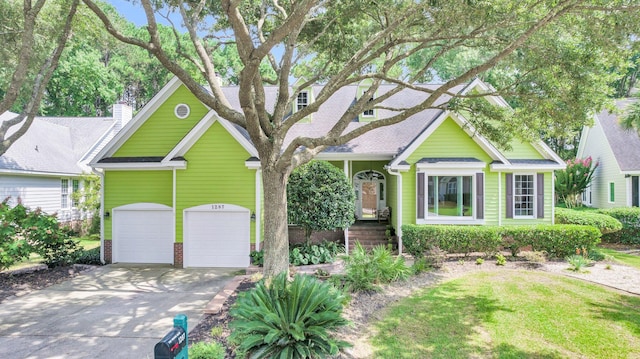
135,14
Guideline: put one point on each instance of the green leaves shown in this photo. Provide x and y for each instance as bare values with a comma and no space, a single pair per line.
320,197
574,179
286,319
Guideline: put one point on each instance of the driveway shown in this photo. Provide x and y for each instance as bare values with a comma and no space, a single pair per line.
113,311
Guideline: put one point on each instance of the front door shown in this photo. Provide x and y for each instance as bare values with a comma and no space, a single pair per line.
370,196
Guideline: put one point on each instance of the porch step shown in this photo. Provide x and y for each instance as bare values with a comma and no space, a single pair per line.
369,235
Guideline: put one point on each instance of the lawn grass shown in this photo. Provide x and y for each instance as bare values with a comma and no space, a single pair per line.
511,314
34,259
624,258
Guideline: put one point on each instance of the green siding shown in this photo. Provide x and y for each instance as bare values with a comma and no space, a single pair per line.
127,187
215,173
448,140
162,131
522,150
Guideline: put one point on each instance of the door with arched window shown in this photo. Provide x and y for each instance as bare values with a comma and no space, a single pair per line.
370,187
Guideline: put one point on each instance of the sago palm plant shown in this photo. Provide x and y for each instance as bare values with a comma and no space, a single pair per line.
284,319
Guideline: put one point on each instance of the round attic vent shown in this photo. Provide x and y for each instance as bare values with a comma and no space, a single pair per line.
182,111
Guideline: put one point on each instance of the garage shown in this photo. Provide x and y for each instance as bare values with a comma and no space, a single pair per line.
143,233
216,235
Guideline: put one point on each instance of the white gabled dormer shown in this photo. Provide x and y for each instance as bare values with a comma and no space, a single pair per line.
370,114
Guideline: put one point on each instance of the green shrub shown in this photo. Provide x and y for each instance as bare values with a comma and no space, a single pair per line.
304,254
577,262
417,239
605,223
13,247
257,258
284,319
50,241
630,219
500,260
596,255
559,240
365,271
89,256
202,350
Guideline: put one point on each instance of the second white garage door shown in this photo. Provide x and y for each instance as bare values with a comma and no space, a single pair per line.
216,235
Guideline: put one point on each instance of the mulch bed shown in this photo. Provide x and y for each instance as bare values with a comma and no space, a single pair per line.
23,281
202,332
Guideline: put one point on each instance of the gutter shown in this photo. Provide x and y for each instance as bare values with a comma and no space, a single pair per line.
399,207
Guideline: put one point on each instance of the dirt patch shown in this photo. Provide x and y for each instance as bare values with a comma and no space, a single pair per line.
23,281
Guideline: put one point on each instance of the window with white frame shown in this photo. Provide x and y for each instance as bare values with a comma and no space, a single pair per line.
64,193
75,188
369,112
612,192
586,196
524,195
302,100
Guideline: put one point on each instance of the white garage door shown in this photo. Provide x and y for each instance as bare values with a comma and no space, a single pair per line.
216,235
143,233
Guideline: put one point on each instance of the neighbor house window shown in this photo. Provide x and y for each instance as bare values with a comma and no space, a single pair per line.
612,192
586,196
450,196
523,196
64,193
302,101
75,184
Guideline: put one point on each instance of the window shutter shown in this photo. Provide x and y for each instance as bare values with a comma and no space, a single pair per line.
540,195
635,199
480,195
509,180
421,195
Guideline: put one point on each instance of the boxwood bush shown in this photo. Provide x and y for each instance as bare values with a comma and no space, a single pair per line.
605,223
558,240
630,219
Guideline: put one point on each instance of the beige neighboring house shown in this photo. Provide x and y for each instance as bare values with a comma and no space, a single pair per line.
45,166
616,182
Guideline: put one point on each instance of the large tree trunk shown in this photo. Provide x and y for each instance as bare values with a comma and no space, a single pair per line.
276,233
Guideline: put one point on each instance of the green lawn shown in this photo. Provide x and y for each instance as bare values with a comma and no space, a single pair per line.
624,258
35,259
511,314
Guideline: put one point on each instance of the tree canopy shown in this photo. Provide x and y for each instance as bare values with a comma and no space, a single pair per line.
550,58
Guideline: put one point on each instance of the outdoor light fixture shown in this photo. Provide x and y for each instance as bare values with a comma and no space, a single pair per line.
107,214
253,216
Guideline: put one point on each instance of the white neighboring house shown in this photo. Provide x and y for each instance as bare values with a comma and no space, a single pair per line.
616,181
45,166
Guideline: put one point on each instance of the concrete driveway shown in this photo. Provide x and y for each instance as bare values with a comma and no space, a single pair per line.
113,311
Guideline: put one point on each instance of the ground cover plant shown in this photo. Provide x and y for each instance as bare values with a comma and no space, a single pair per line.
500,314
305,254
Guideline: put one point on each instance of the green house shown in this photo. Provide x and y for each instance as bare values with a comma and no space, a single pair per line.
183,186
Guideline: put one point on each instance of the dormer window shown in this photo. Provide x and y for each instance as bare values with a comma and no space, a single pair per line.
369,112
302,101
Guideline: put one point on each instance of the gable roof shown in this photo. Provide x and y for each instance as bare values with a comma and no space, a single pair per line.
55,145
625,144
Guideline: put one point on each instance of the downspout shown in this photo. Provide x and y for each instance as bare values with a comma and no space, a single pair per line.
173,206
499,198
346,168
398,205
258,207
101,214
553,198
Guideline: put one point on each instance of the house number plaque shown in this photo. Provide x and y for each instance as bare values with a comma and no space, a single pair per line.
217,206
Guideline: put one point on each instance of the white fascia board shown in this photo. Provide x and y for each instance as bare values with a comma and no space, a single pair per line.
134,166
484,87
132,126
525,167
631,173
482,141
354,156
546,151
253,165
420,139
248,146
584,136
191,138
85,157
38,173
451,165
398,168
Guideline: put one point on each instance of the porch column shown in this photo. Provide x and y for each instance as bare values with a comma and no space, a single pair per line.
258,211
346,230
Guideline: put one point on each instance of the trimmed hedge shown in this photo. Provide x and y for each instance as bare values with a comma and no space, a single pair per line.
558,240
605,223
630,219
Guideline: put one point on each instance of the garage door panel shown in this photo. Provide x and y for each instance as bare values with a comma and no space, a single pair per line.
215,238
143,235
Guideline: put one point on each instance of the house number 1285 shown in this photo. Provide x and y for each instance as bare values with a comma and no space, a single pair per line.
217,206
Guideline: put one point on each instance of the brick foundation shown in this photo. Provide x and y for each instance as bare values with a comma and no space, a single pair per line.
296,235
178,256
107,251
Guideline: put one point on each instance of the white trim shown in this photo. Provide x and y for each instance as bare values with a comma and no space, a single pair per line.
629,190
258,210
253,165
101,175
526,167
609,192
346,165
543,149
38,173
482,141
398,209
500,200
437,219
134,166
450,165
132,126
534,214
553,196
200,129
496,100
173,208
354,156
